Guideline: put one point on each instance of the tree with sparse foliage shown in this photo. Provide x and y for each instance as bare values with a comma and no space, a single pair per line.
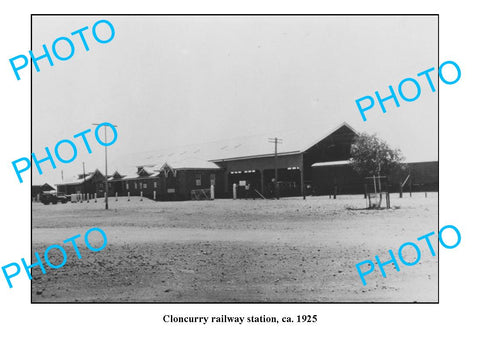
372,156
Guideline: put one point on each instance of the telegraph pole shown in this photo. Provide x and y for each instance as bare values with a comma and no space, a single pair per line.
106,171
276,141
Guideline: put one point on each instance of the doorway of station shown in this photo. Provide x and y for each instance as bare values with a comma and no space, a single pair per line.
116,188
248,182
289,182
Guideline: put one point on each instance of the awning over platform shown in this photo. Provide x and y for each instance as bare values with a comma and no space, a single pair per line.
332,163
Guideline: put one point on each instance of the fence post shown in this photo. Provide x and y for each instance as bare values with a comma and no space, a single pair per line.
116,196
141,195
128,196
95,197
234,191
212,192
335,192
400,191
155,195
88,197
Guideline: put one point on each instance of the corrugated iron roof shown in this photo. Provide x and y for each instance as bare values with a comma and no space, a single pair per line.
205,154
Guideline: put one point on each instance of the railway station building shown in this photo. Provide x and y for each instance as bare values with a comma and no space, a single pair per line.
315,165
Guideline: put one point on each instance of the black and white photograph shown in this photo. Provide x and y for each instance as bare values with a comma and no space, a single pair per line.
235,158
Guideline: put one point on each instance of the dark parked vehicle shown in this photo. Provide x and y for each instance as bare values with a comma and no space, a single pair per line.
53,197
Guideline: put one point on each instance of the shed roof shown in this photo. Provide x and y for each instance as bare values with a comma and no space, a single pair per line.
76,180
204,155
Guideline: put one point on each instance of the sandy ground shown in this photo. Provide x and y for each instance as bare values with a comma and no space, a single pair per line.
290,250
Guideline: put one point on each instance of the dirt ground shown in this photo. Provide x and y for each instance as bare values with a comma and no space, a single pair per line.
290,250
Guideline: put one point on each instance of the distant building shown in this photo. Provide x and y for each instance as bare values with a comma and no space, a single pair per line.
37,189
340,176
92,183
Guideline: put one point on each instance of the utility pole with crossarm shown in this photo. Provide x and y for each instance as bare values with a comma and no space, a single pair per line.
276,141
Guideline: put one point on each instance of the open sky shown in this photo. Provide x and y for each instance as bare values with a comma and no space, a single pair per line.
174,80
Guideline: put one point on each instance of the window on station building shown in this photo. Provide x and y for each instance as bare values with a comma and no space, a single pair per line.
144,185
212,179
126,186
198,180
135,185
154,184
